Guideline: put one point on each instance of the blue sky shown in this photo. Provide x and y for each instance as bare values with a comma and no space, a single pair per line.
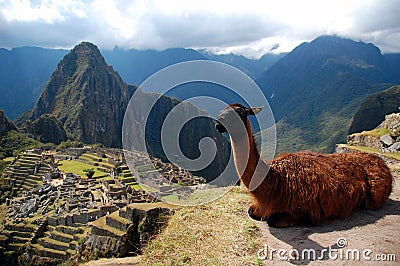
250,27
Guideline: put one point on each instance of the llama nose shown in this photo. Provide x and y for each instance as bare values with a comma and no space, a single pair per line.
220,127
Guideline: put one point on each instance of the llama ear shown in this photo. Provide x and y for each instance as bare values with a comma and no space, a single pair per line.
255,110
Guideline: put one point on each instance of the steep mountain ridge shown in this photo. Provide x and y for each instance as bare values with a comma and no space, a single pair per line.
315,90
374,109
26,70
5,124
87,96
89,100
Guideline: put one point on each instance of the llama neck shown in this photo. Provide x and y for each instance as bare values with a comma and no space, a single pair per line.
247,158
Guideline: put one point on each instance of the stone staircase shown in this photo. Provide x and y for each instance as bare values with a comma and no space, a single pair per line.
59,241
126,225
21,174
19,234
100,163
126,176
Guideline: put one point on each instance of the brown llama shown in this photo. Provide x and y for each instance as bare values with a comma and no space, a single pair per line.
303,188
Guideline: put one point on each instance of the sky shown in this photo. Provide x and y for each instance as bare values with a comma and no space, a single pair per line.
250,28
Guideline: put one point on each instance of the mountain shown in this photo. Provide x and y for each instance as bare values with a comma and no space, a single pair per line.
394,62
88,99
374,109
12,141
5,124
252,67
87,96
46,129
25,71
190,135
315,90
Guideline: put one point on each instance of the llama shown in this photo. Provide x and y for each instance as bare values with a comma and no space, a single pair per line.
303,188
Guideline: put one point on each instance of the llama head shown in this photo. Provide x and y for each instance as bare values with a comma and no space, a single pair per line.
233,118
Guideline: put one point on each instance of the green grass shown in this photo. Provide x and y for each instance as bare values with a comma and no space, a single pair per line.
101,223
394,155
96,159
40,247
172,199
135,186
77,167
377,132
9,159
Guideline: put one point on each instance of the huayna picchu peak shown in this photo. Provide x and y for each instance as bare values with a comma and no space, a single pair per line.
87,96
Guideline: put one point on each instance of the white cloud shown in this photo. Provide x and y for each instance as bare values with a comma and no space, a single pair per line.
250,27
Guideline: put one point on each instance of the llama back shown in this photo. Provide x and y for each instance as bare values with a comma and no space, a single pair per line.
375,172
330,186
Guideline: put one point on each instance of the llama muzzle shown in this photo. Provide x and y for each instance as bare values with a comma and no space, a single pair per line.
220,127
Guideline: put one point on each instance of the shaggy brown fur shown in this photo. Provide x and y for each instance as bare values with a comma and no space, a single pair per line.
306,188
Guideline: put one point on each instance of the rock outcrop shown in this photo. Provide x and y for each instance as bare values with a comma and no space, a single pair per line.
374,108
46,129
385,138
5,124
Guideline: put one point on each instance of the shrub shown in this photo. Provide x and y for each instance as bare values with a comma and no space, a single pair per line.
89,172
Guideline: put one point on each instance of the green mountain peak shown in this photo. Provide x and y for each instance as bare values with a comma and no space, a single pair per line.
87,96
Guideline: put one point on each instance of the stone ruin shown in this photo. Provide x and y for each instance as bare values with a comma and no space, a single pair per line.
387,143
62,215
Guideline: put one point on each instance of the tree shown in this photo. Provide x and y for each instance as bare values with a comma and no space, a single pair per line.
89,172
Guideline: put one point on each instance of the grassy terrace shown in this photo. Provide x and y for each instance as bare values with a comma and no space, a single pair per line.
394,155
96,159
101,223
77,167
39,247
9,159
377,132
115,216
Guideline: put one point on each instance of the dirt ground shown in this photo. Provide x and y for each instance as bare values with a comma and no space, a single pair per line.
365,238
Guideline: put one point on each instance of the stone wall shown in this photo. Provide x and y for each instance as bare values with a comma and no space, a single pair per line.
364,140
107,209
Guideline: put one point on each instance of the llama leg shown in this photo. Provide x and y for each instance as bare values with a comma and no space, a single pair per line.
284,219
378,191
280,219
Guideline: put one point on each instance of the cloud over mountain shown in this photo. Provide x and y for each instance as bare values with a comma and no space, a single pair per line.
250,28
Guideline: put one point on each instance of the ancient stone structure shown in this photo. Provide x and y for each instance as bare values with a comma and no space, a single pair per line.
58,215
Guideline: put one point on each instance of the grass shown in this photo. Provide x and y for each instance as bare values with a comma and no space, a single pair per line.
96,159
394,155
40,247
101,223
136,186
77,167
219,233
9,159
377,132
3,213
